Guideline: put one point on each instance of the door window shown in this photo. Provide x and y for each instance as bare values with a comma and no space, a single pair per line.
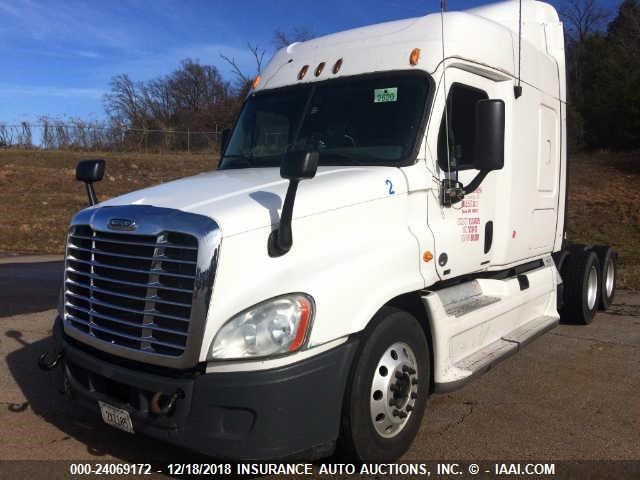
461,120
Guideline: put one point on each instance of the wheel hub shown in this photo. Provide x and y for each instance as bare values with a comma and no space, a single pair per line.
394,390
592,287
611,274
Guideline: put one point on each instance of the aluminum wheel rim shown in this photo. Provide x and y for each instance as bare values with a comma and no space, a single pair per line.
394,390
610,277
592,287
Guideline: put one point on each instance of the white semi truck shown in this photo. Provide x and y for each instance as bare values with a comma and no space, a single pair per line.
387,221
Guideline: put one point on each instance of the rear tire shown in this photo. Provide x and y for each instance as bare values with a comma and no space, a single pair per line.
386,397
581,276
608,274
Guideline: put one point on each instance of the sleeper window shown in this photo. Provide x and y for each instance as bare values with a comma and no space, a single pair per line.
461,113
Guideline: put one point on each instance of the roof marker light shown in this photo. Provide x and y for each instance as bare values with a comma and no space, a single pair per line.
256,82
415,56
337,66
319,68
303,72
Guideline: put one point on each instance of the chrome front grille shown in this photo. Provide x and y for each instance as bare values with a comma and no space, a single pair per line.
139,294
131,290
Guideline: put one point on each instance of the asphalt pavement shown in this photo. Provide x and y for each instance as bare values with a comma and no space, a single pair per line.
572,394
29,284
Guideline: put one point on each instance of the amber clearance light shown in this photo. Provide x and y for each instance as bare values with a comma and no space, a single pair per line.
303,72
415,56
337,66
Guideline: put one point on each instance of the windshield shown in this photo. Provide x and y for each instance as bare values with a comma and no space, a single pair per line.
371,120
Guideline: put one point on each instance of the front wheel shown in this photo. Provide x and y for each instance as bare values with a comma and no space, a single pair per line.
385,400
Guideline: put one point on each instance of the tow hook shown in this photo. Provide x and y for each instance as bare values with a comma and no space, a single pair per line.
162,404
46,365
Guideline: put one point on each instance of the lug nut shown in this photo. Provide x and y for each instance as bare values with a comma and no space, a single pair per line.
409,408
399,413
408,369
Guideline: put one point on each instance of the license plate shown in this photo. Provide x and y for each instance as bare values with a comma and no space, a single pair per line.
116,417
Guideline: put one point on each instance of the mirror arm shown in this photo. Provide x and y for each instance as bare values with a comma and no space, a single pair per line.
453,191
281,239
91,193
475,183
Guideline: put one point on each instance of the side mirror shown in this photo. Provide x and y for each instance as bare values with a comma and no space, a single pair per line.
90,171
488,150
296,165
224,139
489,135
299,165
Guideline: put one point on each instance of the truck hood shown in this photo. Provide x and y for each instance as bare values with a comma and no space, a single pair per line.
245,199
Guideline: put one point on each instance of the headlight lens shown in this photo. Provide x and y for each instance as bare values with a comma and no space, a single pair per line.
277,326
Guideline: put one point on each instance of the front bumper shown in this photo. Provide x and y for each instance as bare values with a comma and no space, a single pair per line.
256,415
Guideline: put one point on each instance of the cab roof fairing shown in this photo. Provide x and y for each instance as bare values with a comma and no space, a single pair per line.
483,35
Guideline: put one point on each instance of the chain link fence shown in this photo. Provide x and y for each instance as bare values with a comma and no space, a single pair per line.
87,136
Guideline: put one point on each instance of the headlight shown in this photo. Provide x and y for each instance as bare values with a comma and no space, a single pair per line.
277,326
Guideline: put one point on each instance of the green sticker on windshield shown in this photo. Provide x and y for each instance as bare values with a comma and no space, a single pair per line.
381,95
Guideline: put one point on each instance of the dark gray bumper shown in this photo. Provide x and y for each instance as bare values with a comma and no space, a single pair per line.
257,415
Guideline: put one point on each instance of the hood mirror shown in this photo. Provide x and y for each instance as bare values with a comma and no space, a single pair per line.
296,165
90,171
299,165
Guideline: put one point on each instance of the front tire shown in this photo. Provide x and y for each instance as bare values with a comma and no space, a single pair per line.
386,398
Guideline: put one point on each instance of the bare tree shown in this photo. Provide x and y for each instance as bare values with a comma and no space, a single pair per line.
582,18
194,86
125,102
161,101
283,39
194,96
243,80
6,136
624,32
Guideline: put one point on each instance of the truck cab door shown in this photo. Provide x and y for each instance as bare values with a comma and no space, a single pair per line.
463,232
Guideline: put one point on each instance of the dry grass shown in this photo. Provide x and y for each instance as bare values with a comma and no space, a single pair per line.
604,207
39,195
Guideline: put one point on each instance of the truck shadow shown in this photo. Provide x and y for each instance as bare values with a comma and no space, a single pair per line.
42,391
271,202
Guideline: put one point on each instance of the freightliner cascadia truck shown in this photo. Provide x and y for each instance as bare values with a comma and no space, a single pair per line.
386,222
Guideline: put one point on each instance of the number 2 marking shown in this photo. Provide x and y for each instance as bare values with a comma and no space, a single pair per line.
390,185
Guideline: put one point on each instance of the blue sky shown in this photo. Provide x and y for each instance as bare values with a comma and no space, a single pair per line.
56,57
